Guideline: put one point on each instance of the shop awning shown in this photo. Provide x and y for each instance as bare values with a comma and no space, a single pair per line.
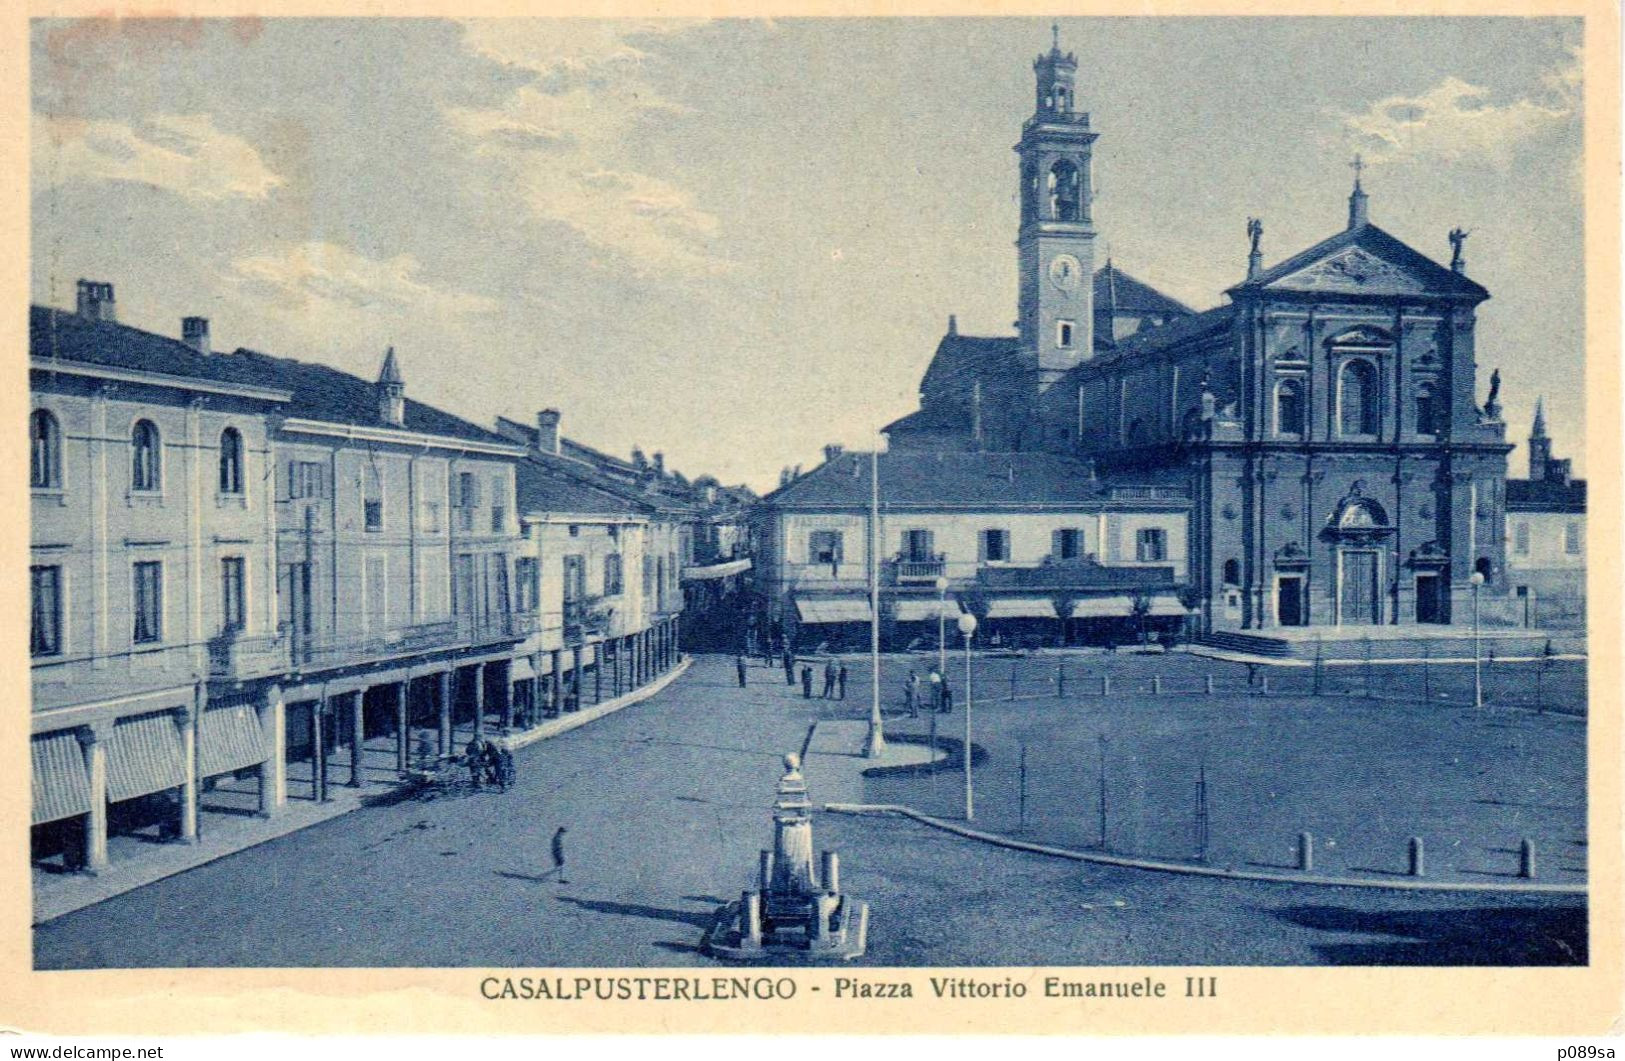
1021,608
521,671
229,738
143,756
1102,608
917,611
832,610
722,570
1167,605
61,787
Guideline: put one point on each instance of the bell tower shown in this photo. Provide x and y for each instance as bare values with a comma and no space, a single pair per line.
1056,246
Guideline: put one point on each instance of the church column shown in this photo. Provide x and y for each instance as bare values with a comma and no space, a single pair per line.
403,725
186,721
358,729
444,683
479,701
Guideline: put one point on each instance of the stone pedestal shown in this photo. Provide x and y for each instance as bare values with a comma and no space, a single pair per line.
793,915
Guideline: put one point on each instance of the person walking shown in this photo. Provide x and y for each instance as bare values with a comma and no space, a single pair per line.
789,666
558,854
840,679
739,666
474,756
947,698
806,682
829,680
911,694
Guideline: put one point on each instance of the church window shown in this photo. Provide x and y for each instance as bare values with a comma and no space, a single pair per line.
1063,334
1065,194
1357,399
1289,408
1483,566
1426,415
1029,191
1232,572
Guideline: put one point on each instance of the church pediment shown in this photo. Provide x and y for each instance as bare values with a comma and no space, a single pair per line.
1364,261
1355,270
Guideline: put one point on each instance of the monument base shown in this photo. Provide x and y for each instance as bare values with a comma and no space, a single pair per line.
724,939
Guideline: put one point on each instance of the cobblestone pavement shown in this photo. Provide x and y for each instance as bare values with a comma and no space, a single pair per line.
666,805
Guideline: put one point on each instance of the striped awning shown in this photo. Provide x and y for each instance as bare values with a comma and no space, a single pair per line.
722,570
836,610
1103,608
1167,605
61,787
144,756
229,738
915,611
1021,608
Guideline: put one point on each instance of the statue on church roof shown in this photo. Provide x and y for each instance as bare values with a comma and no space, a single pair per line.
1255,232
1458,238
1492,404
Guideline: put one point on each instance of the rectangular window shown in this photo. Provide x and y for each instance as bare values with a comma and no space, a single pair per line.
1068,544
612,575
304,479
149,602
996,546
499,511
525,572
468,499
575,579
824,547
233,612
1571,539
1150,544
918,546
372,499
431,517
1063,334
1520,539
45,638
375,515
648,576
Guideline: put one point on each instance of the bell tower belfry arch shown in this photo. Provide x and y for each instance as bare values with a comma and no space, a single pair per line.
1055,246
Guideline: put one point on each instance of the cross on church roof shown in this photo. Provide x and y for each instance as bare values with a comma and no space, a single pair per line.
1357,166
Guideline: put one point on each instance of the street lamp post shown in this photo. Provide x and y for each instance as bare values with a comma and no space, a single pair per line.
942,619
1476,580
967,626
936,709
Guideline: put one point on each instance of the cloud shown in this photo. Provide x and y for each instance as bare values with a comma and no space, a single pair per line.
1456,120
181,153
563,140
327,278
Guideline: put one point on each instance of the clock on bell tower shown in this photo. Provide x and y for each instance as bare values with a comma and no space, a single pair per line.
1055,247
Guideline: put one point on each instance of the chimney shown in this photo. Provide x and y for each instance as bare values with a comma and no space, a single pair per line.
195,333
660,464
547,431
96,301
391,391
832,451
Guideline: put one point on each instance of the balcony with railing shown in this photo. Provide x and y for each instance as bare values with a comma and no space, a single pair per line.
587,617
917,569
237,656
316,651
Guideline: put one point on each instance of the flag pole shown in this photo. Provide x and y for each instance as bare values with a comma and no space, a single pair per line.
876,745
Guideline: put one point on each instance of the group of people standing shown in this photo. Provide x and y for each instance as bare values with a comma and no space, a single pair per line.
489,764
931,693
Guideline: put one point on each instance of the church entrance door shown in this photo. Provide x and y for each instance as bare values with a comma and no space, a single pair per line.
1357,591
1289,600
1429,600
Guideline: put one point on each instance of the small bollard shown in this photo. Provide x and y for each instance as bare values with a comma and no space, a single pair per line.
1105,685
1264,687
1209,684
767,871
832,871
1418,862
1306,852
1526,859
1156,685
1060,682
750,918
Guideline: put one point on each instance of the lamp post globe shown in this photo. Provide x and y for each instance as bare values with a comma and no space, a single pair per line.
967,626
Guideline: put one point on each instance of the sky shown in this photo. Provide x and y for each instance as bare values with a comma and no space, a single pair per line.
736,241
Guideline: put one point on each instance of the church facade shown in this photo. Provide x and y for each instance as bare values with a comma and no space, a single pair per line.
1325,417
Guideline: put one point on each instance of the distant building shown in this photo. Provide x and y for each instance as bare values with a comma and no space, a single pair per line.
1027,541
1545,536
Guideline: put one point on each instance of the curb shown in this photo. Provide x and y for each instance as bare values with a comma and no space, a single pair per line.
881,809
558,726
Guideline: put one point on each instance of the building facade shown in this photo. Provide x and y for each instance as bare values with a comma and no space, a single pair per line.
1028,542
1545,537
315,571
